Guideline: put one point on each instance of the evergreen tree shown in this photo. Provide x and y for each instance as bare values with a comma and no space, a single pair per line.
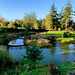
54,15
62,22
33,53
67,14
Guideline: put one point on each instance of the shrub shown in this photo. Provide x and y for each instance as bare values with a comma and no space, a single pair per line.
33,53
26,33
5,58
53,69
67,34
4,41
5,34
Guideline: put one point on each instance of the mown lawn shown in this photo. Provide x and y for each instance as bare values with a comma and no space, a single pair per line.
58,34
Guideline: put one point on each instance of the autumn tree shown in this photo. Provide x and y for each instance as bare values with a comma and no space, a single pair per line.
1,19
11,25
6,22
67,14
3,22
18,23
31,18
43,24
49,22
35,25
27,24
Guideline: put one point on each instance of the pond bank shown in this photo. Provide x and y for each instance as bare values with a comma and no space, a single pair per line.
66,69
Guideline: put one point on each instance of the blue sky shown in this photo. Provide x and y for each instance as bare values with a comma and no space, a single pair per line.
16,9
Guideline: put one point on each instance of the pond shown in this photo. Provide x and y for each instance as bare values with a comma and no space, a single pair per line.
58,54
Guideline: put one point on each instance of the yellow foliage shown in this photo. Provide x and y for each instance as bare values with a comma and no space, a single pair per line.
43,24
10,25
3,24
49,22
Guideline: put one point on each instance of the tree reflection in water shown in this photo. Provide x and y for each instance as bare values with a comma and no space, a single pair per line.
53,48
65,50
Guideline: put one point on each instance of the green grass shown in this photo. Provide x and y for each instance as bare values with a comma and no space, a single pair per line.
64,69
68,38
20,70
43,71
54,33
58,34
39,71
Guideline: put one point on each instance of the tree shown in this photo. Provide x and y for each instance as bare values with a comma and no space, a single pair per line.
49,22
11,25
35,25
6,22
27,24
18,23
33,53
32,18
3,22
61,20
39,24
67,14
54,16
43,24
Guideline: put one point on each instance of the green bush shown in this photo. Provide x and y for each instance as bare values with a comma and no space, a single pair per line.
67,34
4,41
5,58
1,41
26,33
33,53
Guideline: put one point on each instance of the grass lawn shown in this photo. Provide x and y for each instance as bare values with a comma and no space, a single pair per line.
58,34
39,71
43,71
53,32
68,38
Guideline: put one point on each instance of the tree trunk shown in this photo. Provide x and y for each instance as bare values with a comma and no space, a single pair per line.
66,25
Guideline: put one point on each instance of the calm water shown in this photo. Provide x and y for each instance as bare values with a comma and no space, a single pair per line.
58,54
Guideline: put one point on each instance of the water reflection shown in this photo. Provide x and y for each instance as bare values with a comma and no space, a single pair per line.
12,42
59,53
16,42
16,52
65,49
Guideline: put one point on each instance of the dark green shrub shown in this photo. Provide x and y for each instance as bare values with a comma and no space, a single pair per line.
4,41
67,34
26,33
5,58
33,53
